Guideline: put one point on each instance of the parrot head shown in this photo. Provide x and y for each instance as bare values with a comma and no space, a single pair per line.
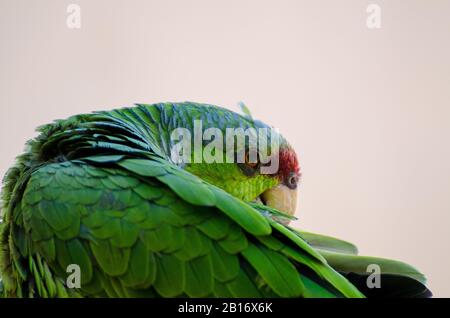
270,176
283,195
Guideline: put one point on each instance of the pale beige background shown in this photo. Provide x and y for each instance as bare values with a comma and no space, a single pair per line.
367,110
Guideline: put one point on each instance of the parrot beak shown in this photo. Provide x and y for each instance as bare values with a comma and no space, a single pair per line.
281,198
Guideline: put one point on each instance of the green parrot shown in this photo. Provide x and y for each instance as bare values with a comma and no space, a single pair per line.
102,195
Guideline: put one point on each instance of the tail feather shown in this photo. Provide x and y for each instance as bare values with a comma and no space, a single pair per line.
328,243
397,279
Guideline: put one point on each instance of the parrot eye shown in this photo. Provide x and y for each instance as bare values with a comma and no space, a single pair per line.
292,180
249,168
248,163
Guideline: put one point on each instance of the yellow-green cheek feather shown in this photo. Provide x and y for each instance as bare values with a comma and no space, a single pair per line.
230,178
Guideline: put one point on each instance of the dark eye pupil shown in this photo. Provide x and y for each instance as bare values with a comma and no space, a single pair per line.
292,180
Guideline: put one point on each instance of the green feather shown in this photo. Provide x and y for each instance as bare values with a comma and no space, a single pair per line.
243,286
328,243
171,277
142,270
242,213
145,168
112,260
79,256
225,266
195,244
325,272
276,270
215,227
199,278
193,192
359,264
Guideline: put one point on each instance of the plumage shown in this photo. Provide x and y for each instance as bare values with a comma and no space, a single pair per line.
100,191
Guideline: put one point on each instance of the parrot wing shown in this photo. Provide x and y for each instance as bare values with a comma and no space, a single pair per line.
141,227
397,279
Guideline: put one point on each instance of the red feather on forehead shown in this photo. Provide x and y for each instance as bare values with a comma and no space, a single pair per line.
288,163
